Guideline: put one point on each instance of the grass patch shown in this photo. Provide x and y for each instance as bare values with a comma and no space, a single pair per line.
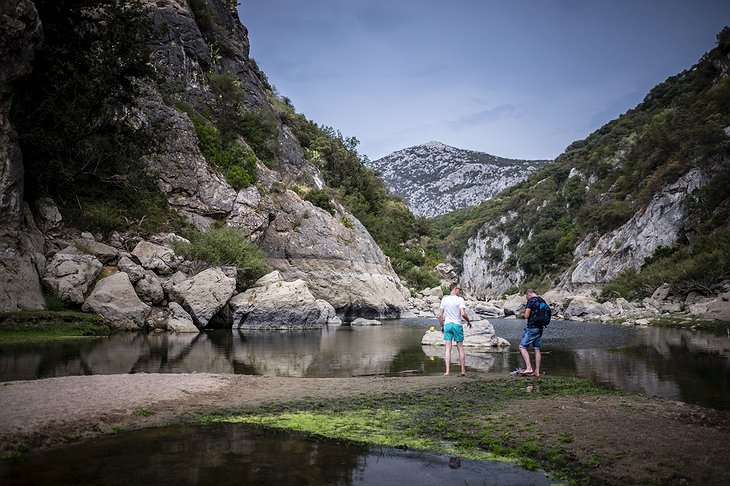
42,325
468,420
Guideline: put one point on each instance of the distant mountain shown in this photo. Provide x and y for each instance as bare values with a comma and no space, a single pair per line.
435,178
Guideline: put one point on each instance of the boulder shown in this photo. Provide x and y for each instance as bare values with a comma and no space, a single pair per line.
172,318
114,299
106,254
719,307
481,335
361,321
21,288
157,258
134,271
149,289
204,294
71,273
584,308
274,303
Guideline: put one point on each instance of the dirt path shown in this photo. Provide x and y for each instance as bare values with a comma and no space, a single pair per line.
624,439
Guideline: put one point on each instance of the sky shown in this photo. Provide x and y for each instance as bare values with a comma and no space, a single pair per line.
519,79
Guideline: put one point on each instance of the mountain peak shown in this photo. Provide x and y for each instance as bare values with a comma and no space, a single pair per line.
435,178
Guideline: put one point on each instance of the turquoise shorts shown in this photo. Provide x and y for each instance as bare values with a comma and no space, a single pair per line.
453,332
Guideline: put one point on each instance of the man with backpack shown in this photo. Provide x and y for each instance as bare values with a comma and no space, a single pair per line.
537,313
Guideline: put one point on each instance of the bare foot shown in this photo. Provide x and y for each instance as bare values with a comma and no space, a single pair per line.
446,374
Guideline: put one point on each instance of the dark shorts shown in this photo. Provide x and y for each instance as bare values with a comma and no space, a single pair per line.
531,335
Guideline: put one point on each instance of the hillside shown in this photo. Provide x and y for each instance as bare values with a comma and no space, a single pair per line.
130,121
435,179
640,202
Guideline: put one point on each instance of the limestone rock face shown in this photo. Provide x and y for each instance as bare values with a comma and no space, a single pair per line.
21,287
204,294
274,303
114,299
21,34
340,264
486,272
628,246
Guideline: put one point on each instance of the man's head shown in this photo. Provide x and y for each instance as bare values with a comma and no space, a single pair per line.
455,288
530,293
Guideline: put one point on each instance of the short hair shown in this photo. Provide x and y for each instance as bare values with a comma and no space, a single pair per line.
530,291
453,285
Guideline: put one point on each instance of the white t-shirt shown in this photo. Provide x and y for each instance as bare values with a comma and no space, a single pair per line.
452,305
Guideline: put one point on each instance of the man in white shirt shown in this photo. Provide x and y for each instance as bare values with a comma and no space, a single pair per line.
451,311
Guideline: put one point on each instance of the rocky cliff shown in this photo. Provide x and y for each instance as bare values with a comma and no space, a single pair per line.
640,204
435,178
199,55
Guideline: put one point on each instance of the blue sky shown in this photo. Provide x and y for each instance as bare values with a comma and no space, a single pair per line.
513,78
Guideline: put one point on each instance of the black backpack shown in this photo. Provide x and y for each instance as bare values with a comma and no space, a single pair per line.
543,315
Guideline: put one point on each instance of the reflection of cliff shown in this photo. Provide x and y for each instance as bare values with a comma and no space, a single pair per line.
622,372
681,365
337,351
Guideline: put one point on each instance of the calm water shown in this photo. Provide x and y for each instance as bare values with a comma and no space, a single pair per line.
225,454
683,365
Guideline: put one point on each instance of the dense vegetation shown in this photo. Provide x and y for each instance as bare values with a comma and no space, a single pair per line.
73,117
598,183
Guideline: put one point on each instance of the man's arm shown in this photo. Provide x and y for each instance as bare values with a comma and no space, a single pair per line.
526,315
441,319
466,317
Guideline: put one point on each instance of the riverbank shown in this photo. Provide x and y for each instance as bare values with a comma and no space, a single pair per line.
563,425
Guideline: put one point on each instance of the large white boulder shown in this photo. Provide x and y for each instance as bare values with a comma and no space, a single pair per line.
114,299
274,303
481,335
70,273
204,294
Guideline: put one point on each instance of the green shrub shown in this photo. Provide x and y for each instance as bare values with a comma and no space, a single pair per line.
225,246
321,199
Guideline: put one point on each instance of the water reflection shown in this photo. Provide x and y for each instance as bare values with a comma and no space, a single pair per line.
678,364
234,454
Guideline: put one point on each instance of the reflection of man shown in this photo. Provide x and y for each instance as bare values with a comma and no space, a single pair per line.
451,311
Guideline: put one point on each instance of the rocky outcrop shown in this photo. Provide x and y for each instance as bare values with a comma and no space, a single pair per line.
487,273
21,34
20,262
658,225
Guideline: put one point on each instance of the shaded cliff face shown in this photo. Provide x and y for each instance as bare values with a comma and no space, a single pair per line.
203,83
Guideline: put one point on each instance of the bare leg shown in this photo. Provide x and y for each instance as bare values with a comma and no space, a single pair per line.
526,357
447,356
538,360
460,347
